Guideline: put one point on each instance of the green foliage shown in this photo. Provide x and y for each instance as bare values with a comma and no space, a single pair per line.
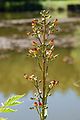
4,109
12,101
55,4
12,6
3,119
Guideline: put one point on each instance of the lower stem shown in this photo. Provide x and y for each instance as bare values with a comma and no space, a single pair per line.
44,79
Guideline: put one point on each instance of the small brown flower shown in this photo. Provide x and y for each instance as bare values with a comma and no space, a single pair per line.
35,104
28,33
55,22
49,53
30,51
54,82
40,91
26,76
51,42
31,77
50,86
34,22
39,81
34,43
40,104
55,56
33,51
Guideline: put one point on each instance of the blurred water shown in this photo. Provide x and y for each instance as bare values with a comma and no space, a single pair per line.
65,100
64,104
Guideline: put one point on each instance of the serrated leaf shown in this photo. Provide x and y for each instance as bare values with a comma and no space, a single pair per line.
7,110
12,101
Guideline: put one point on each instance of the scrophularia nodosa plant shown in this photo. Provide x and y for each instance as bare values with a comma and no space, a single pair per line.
43,51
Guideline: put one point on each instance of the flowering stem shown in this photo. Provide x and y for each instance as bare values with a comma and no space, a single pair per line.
43,53
44,69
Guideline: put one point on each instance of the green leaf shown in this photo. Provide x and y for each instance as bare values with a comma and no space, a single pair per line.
12,100
7,110
14,103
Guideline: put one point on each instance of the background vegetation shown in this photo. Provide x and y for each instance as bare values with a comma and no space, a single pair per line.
33,5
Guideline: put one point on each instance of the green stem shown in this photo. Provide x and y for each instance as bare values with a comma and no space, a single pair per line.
39,40
39,64
44,69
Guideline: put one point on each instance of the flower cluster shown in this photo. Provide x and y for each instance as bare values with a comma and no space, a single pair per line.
53,83
31,77
38,104
42,50
33,52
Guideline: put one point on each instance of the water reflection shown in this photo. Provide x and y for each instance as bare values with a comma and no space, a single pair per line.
13,67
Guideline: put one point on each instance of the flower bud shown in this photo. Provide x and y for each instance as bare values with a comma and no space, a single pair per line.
31,77
49,53
31,108
55,56
40,104
50,86
57,82
34,22
40,91
34,43
26,76
54,82
28,33
35,104
30,51
35,78
43,19
51,42
39,81
35,51
55,22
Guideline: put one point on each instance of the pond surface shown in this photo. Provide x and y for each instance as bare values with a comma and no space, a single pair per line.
64,104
